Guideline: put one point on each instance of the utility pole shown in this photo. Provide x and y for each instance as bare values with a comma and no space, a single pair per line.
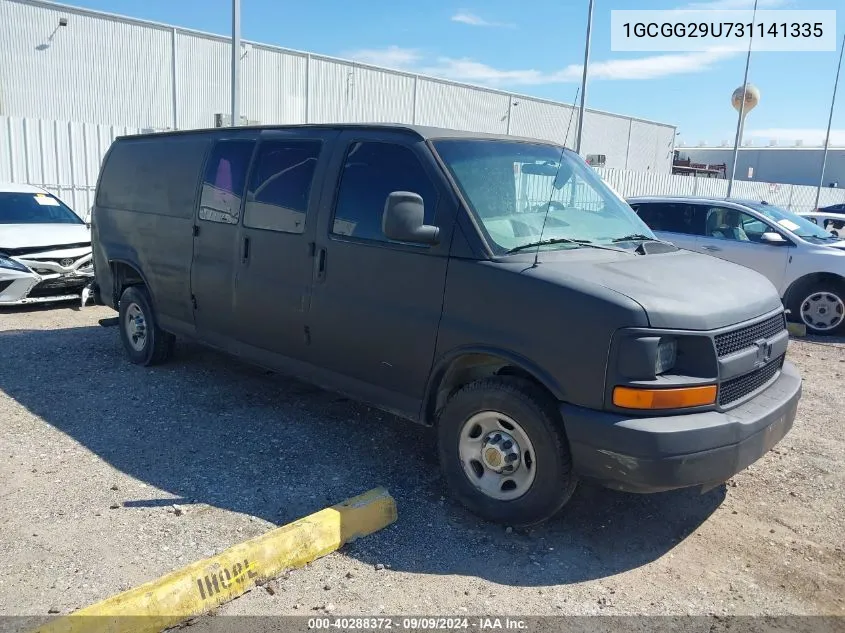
829,122
584,78
236,62
741,120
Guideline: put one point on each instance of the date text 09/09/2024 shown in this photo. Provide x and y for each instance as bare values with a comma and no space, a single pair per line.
416,623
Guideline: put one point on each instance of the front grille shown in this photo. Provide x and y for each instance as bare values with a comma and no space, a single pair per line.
740,339
63,261
736,388
55,287
5,284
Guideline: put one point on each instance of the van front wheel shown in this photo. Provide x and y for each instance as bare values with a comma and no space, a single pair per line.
503,452
145,343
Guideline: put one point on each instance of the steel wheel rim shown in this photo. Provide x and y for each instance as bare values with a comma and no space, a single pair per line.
486,458
135,326
823,311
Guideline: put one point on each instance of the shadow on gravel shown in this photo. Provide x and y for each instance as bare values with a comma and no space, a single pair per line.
208,429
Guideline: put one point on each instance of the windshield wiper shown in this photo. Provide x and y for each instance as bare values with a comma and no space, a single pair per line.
635,237
565,240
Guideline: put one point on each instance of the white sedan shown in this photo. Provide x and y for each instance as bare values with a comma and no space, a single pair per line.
804,262
45,248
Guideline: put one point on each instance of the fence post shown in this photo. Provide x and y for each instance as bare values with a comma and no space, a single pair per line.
694,184
791,192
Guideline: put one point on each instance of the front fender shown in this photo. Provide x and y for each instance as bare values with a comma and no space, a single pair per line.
442,365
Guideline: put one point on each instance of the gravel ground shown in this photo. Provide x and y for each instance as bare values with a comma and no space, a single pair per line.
95,453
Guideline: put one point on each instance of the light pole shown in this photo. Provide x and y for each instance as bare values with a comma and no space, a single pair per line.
740,120
829,122
236,62
584,78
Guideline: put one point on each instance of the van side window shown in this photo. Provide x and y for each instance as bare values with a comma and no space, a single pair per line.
372,171
224,181
280,185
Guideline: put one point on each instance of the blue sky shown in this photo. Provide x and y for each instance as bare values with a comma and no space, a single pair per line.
537,49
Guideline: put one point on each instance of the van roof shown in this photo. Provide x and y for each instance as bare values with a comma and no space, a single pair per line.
421,131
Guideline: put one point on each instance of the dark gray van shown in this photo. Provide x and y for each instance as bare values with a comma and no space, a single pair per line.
490,286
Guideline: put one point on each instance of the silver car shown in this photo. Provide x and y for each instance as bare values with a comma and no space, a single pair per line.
45,248
804,262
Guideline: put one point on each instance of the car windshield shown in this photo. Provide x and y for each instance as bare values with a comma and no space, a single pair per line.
34,208
510,186
795,224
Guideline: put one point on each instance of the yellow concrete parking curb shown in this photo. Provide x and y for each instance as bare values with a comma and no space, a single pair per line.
205,584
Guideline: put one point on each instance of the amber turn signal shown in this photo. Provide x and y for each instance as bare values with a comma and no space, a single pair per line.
632,398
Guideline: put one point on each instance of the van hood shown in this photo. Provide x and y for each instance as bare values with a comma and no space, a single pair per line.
680,290
17,236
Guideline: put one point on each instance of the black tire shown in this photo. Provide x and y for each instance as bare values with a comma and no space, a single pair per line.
157,345
832,291
554,480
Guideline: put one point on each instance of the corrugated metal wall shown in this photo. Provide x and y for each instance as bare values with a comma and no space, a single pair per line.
794,165
793,197
109,69
555,122
95,70
62,157
65,158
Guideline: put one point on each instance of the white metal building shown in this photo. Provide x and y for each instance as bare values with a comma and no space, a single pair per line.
64,64
790,165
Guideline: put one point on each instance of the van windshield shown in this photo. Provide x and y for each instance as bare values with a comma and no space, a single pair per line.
34,208
510,185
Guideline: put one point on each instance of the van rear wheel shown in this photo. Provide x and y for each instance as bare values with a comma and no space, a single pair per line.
145,343
503,451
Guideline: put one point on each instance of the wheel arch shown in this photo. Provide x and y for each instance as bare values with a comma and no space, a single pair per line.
467,364
793,292
125,274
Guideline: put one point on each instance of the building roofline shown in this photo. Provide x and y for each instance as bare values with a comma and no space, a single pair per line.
181,29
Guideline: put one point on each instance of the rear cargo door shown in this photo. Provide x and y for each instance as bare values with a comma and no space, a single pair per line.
216,247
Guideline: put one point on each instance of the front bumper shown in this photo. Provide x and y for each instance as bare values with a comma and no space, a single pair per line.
54,283
679,451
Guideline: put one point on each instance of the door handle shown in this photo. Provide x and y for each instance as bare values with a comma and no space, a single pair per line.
712,248
320,264
245,251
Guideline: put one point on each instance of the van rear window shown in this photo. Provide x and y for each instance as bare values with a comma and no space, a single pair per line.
153,175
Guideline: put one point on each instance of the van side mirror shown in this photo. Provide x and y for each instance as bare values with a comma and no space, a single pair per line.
775,239
404,217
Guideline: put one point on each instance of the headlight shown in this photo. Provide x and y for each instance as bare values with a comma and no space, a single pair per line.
667,354
8,262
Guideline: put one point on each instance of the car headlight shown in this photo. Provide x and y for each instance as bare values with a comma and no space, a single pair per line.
667,354
9,263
